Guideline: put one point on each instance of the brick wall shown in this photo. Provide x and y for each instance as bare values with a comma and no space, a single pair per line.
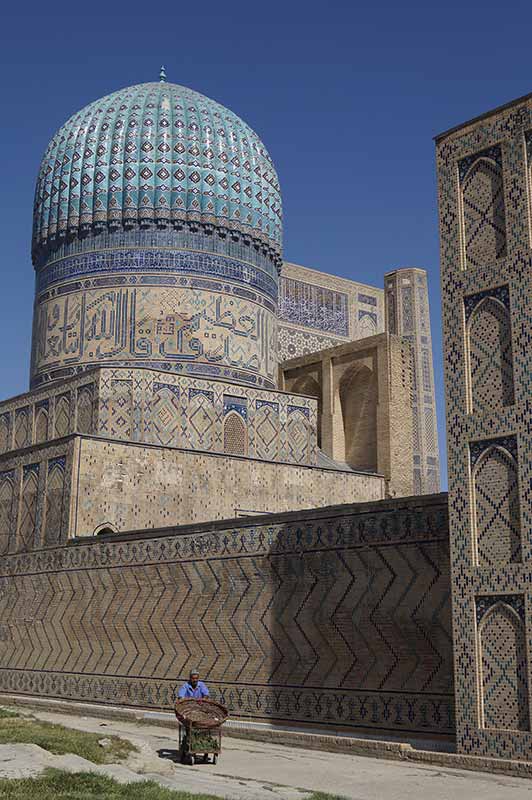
132,486
362,390
338,616
485,187
157,407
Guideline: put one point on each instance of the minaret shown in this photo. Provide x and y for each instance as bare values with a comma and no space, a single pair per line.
407,315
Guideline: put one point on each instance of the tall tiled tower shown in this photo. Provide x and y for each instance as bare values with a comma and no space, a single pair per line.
407,315
484,169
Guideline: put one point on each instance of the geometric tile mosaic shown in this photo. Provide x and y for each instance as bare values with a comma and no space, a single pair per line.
491,375
484,217
484,190
502,645
166,409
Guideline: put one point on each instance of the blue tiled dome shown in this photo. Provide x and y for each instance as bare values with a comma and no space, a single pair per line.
155,155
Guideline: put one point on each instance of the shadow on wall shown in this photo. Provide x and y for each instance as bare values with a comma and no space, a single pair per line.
344,622
335,617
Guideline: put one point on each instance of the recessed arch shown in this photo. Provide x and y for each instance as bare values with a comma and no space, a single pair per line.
496,508
41,425
490,356
358,397
307,384
7,497
105,528
28,508
54,504
234,435
62,416
483,213
84,409
5,430
503,670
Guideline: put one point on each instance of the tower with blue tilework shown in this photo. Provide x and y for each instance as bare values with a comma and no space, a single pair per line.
485,182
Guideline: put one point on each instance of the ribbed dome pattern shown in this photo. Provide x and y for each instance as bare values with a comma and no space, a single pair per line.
156,154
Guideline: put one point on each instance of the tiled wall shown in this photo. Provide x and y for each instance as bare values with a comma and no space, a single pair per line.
50,413
338,617
317,311
162,408
35,492
179,411
484,170
128,486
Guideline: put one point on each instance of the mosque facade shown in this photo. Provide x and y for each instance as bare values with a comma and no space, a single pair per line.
212,429
163,318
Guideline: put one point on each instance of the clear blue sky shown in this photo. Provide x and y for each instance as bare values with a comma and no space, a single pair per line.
346,96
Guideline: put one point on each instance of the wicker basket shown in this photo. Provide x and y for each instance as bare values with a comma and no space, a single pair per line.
204,713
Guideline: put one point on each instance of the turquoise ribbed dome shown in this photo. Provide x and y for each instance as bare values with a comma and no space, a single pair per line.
155,155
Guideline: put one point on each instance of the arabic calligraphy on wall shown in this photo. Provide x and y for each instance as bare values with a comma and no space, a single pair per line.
177,326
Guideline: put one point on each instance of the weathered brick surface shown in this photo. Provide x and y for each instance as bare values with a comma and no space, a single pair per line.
335,616
362,389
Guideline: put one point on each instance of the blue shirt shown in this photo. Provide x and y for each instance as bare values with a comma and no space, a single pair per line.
199,692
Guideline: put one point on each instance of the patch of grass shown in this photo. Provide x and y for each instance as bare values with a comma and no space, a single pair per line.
322,796
60,740
57,785
7,713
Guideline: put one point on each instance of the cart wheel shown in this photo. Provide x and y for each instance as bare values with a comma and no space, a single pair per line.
215,758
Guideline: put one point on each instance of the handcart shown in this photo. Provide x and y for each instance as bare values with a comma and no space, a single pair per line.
200,729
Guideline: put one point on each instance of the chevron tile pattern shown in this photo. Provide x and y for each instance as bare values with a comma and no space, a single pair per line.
336,618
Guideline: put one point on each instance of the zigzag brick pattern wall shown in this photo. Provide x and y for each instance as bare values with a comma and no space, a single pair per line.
337,617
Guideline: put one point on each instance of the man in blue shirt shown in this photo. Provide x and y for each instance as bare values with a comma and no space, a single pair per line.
193,687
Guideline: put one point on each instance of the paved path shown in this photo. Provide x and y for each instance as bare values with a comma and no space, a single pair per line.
260,771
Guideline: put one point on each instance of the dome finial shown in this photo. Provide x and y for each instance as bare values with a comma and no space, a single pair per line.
162,75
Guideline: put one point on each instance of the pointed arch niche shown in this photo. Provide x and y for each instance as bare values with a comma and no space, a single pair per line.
490,369
235,435
503,670
496,509
41,424
483,208
358,398
7,509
